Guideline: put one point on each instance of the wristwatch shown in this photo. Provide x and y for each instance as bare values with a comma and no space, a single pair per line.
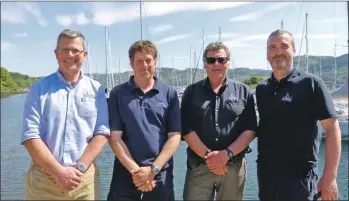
207,152
81,167
229,153
155,169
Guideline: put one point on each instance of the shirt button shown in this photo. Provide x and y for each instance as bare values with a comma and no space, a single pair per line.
216,139
274,93
216,110
216,124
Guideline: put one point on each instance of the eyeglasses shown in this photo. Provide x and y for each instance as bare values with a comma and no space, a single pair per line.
212,60
73,51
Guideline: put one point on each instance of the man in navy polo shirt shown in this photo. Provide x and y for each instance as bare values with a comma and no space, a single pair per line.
289,104
144,118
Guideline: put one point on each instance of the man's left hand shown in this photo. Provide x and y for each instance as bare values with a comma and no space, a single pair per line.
328,188
219,158
143,175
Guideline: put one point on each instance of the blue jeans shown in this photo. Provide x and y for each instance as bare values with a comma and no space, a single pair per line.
123,188
286,185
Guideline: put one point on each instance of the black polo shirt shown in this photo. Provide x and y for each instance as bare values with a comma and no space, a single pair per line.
288,136
144,118
218,119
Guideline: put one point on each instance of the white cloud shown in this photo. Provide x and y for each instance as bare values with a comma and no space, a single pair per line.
81,19
236,44
12,13
108,13
161,28
67,20
20,35
223,35
6,46
247,17
258,14
64,20
111,12
20,12
328,20
173,38
318,36
35,10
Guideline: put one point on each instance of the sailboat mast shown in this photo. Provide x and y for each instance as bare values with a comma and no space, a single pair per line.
191,75
320,69
140,16
306,42
106,58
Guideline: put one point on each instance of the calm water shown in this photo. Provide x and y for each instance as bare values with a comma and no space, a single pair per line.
15,159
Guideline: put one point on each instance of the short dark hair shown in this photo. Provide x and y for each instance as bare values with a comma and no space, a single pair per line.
280,32
142,46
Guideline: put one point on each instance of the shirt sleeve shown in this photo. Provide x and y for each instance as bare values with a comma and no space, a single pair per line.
115,122
248,116
186,114
102,125
31,115
324,105
174,116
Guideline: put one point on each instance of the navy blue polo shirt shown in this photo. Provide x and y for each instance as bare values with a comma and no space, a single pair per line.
289,109
145,119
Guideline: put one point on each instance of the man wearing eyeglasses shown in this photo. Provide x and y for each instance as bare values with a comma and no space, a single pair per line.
218,123
65,127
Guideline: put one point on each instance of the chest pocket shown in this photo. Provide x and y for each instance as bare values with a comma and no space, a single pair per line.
87,107
159,108
235,107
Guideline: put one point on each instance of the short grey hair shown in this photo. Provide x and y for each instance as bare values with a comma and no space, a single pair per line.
216,46
70,33
280,32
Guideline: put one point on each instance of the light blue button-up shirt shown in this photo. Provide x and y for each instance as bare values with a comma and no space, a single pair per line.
65,117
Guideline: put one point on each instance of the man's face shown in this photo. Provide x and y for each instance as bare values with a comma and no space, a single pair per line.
70,54
280,52
216,64
143,65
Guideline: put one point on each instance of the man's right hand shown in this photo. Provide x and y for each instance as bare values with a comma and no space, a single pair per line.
68,178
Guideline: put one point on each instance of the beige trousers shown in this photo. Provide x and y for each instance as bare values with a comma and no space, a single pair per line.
40,186
202,184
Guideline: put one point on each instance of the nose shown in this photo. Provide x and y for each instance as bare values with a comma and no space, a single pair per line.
70,53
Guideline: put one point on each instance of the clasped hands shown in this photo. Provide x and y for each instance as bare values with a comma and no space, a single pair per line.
68,178
143,178
216,161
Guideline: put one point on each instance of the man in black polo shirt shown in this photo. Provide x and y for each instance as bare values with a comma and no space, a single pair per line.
144,118
289,104
218,123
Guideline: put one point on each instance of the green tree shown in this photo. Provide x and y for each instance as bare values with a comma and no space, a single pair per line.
7,84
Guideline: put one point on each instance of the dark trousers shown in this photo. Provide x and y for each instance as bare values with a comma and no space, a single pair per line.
274,185
123,188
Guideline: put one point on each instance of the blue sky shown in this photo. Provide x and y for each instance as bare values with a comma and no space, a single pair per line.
29,30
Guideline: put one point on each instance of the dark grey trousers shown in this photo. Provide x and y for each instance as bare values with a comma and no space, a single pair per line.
202,184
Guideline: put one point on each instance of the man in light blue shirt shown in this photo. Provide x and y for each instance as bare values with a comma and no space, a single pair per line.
65,127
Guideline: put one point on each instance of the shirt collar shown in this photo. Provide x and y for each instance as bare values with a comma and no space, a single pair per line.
207,83
61,78
133,85
288,77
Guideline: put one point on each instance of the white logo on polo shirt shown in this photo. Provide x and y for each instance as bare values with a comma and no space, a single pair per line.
287,98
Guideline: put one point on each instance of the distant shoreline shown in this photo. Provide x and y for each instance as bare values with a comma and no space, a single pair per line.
8,94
